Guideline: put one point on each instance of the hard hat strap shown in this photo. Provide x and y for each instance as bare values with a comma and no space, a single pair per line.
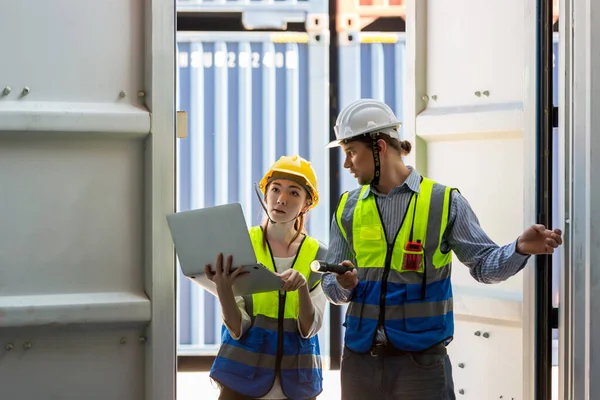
376,160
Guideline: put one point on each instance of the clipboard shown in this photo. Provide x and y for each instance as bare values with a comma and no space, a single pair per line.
200,235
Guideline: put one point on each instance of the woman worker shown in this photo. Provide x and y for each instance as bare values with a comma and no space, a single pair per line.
269,346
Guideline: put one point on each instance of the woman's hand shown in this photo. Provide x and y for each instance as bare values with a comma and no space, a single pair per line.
293,280
223,277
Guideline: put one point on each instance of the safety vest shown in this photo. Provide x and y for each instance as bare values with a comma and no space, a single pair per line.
412,301
273,344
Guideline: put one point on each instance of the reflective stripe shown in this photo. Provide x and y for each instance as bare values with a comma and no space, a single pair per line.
435,220
440,258
270,324
308,361
414,278
347,216
338,214
314,279
410,310
260,360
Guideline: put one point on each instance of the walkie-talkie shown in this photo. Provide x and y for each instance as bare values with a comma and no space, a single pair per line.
413,254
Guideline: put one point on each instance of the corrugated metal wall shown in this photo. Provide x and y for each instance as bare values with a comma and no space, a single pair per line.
254,96
371,65
251,97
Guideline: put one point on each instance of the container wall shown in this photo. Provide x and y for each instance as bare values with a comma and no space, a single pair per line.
86,171
251,97
370,65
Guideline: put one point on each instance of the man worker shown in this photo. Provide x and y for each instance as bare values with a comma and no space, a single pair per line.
399,230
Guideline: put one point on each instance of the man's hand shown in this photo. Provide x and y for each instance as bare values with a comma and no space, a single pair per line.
538,240
349,279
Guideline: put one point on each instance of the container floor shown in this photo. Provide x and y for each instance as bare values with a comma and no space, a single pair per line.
197,385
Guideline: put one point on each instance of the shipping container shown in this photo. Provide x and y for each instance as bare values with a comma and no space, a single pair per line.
251,97
353,15
371,64
265,14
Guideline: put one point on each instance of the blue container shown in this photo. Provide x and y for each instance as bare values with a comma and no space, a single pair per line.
371,64
251,97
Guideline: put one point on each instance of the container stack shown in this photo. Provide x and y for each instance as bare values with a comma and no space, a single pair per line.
253,79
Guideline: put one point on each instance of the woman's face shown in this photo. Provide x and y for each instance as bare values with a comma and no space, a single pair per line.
285,200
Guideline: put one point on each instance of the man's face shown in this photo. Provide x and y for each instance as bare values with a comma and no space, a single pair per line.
359,161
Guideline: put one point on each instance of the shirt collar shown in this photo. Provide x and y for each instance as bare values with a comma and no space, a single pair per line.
412,182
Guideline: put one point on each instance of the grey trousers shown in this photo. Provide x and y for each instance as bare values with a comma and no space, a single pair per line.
397,377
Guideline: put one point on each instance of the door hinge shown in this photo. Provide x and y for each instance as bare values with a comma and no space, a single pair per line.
554,318
555,117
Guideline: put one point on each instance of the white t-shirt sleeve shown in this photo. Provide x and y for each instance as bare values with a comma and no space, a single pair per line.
246,320
319,301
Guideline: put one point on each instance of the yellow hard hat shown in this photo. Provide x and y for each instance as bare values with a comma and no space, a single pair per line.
295,168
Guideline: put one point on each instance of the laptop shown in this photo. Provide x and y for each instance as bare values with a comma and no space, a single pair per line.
200,235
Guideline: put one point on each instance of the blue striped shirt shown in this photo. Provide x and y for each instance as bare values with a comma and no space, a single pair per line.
488,262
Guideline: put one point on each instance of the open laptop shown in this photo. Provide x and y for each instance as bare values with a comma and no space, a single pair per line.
200,235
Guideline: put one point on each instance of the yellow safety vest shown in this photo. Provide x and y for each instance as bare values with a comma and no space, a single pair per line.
413,304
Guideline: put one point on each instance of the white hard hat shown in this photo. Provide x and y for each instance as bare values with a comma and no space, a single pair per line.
365,116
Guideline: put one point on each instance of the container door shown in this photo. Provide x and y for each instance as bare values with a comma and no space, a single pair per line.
87,176
471,115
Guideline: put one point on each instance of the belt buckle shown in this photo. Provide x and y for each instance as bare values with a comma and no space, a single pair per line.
376,350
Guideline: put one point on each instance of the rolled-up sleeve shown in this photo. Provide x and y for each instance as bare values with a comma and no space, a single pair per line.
246,320
319,302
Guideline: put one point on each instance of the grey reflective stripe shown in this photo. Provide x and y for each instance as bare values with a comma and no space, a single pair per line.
322,252
301,361
260,360
408,277
348,216
313,280
314,277
413,310
434,223
370,274
262,321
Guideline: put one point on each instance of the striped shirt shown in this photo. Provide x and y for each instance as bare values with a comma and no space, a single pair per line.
488,262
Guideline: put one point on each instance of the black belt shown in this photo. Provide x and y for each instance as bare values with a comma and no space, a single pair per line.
387,349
